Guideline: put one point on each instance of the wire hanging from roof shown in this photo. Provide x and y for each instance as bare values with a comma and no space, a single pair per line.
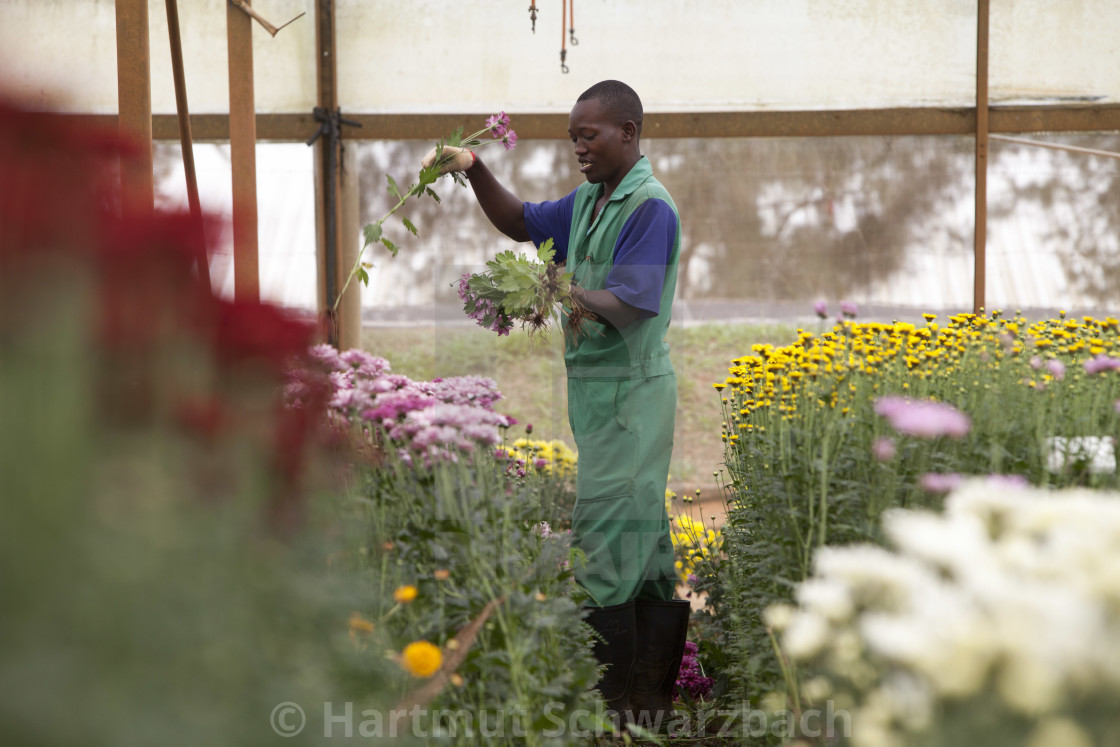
567,28
564,37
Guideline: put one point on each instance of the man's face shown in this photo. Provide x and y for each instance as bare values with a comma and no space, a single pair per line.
599,142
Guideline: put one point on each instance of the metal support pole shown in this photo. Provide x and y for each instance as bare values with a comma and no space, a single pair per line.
980,272
185,140
243,156
134,102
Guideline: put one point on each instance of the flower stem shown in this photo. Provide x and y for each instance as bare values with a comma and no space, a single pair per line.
414,190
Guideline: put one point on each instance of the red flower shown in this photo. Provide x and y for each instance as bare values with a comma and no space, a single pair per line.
148,290
203,417
252,331
55,178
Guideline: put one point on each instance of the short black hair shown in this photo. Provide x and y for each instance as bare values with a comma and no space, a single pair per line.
619,98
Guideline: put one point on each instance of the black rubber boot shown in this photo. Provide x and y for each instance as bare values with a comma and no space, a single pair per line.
662,630
615,625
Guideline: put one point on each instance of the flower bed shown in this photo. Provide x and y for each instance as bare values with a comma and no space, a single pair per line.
993,623
825,434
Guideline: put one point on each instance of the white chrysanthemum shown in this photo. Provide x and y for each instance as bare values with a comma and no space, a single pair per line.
876,578
954,543
909,699
805,636
778,616
1059,731
994,505
1012,589
826,597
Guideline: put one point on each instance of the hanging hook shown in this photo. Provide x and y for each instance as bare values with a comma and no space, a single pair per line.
533,14
563,56
572,22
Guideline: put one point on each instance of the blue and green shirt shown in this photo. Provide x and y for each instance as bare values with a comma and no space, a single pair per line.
631,249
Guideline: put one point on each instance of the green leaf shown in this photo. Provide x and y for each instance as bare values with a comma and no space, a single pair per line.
455,139
372,233
545,252
393,188
363,276
431,193
390,246
409,226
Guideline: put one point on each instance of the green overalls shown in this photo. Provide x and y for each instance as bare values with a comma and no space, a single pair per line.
622,399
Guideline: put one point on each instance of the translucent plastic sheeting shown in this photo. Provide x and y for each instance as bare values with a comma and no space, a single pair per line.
481,55
286,215
770,225
62,54
478,55
773,225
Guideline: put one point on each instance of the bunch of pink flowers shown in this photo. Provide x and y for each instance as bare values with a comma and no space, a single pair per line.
924,419
485,312
437,419
498,125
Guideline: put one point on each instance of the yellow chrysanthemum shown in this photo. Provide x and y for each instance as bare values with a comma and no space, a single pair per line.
405,594
359,625
421,659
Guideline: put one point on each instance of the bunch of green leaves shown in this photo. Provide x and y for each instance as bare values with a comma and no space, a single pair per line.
519,287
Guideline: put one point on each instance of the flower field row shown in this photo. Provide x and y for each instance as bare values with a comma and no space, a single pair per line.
824,435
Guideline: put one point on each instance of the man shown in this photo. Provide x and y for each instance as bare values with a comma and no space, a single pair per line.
620,235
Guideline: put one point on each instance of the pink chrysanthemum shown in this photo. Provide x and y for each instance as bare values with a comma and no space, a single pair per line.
923,419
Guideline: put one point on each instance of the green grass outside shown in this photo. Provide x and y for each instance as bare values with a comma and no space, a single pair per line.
530,375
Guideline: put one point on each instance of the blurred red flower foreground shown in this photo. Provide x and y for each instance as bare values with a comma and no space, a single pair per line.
159,348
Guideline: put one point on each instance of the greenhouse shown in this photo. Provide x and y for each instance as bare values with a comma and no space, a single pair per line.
749,376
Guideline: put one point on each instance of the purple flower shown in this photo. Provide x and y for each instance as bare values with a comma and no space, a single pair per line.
364,363
438,419
936,482
849,308
1008,481
883,449
821,308
923,419
498,124
328,356
691,677
1056,368
540,462
509,140
1036,362
1100,364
